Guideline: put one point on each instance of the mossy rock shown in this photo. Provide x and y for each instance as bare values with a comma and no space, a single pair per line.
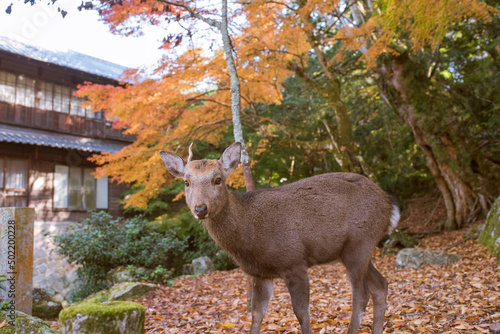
98,297
398,240
121,291
43,306
414,258
130,290
490,236
474,231
103,318
118,275
22,323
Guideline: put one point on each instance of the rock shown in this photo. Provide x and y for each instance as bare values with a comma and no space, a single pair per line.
495,328
399,240
490,236
43,306
22,323
414,258
121,291
130,290
202,265
118,275
187,269
103,318
98,297
42,268
474,231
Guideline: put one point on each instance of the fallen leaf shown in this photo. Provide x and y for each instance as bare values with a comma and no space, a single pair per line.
461,298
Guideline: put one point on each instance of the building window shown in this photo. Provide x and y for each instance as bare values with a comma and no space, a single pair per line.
58,103
46,96
66,99
26,91
7,87
14,182
75,188
76,106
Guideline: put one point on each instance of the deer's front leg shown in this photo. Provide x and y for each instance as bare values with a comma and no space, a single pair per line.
261,294
297,282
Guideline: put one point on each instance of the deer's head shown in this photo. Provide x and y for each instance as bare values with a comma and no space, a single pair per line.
205,180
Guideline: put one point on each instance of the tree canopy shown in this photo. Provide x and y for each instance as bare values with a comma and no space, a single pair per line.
402,91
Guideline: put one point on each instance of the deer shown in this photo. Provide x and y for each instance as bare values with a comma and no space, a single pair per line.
281,232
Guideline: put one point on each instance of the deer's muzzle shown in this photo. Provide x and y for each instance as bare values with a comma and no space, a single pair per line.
201,210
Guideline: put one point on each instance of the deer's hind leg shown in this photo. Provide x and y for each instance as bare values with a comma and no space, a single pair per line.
357,271
377,285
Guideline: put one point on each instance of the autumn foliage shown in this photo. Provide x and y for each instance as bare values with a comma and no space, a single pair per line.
187,98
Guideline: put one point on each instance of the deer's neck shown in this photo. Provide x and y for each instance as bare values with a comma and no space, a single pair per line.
232,228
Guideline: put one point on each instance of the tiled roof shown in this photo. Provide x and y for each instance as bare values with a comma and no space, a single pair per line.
70,59
12,134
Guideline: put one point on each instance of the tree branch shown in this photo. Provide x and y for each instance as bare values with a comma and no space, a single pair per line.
307,79
214,101
194,14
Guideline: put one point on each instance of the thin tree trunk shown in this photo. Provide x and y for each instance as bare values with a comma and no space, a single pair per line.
236,112
222,26
235,99
396,86
235,82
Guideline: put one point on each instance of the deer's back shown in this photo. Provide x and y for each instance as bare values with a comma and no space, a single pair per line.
310,220
333,199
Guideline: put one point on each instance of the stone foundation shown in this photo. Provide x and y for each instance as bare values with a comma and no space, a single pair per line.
51,271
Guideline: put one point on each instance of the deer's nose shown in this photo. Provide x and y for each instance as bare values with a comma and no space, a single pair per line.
201,210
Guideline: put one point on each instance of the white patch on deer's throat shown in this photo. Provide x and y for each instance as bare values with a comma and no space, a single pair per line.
394,218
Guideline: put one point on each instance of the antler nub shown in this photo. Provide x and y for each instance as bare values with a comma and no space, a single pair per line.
190,153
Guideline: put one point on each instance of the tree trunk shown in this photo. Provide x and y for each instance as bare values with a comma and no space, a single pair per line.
236,113
344,150
400,88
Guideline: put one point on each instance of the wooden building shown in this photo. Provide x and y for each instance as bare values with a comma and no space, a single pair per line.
46,136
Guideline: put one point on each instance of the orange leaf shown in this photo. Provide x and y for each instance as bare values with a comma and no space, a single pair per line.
227,325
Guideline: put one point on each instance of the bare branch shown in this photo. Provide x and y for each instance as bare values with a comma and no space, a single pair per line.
282,4
194,14
216,102
197,97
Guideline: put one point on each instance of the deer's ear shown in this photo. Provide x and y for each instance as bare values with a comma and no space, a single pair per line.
174,164
231,158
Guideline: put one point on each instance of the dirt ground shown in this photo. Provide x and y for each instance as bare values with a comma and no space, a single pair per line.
423,215
461,298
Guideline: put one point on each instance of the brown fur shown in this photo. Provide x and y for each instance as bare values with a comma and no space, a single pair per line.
280,232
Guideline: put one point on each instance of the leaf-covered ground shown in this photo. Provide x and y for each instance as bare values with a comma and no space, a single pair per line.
461,298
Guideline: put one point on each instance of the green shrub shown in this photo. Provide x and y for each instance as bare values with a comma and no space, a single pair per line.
199,242
167,213
155,275
104,243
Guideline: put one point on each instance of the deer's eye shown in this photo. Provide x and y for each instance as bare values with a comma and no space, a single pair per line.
186,182
218,181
